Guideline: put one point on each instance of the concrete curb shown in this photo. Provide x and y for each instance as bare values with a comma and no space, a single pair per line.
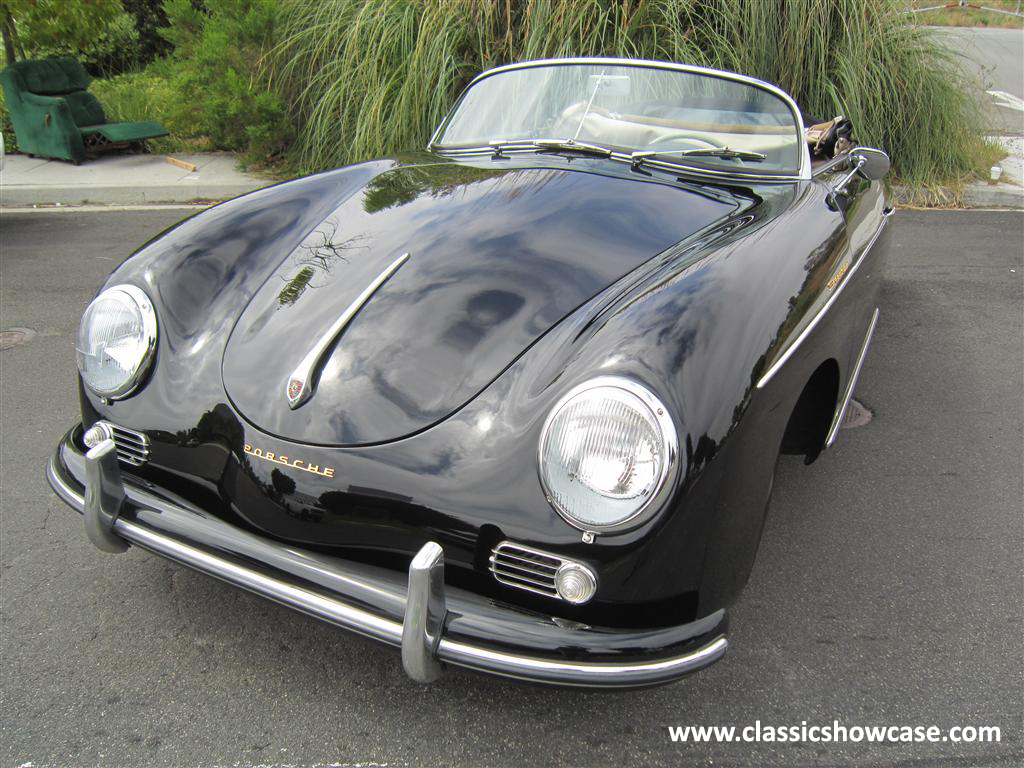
124,179
994,196
27,196
976,195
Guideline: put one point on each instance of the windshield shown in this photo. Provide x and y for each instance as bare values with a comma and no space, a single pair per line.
676,115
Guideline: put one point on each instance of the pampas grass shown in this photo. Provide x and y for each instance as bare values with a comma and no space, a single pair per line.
364,79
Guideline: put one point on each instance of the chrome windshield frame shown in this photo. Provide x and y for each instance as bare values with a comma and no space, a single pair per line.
804,172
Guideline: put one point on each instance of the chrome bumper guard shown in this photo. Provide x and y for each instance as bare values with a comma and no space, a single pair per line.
355,599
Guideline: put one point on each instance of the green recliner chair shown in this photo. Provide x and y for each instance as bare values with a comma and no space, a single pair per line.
55,116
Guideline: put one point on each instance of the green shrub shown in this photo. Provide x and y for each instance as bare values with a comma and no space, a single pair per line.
369,78
208,92
98,32
218,91
7,127
149,95
149,17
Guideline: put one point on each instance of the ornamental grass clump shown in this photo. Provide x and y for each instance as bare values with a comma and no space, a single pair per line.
362,79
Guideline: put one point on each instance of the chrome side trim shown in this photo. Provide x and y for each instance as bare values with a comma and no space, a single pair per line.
339,613
791,349
837,421
300,384
805,156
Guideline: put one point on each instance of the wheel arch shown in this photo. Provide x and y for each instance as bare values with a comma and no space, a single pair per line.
809,422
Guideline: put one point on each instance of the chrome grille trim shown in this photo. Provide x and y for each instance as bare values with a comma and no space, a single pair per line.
525,568
132,446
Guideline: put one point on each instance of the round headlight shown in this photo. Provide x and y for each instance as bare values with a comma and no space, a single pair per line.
606,451
116,341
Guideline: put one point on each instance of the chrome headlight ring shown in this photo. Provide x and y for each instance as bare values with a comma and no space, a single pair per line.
131,329
607,455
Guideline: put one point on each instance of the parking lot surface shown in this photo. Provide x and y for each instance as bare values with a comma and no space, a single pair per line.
887,591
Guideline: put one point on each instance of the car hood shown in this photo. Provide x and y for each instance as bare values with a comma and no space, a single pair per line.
495,259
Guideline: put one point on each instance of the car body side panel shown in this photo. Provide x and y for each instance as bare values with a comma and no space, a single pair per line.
838,336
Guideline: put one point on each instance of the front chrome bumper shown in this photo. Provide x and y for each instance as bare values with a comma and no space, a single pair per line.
431,623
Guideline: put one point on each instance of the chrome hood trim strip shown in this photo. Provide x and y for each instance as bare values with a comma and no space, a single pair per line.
302,381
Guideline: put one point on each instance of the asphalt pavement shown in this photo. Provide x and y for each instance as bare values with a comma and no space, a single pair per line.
995,57
887,591
993,61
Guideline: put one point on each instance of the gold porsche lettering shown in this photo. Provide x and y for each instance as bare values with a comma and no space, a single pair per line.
838,276
280,458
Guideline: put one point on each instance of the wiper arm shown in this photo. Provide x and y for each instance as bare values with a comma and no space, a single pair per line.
638,158
727,152
571,145
551,145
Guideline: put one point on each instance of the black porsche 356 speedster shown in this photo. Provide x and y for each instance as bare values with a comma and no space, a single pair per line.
513,403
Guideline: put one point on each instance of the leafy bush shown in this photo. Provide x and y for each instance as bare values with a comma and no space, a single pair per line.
218,91
7,127
208,92
98,33
149,19
149,95
369,78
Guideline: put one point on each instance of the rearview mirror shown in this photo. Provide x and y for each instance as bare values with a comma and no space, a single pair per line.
872,164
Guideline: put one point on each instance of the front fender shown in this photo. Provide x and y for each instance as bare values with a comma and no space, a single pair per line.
203,271
697,328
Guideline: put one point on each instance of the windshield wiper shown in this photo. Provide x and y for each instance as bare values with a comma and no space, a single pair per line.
727,152
639,158
571,145
551,145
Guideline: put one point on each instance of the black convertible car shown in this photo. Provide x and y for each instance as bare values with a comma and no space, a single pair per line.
513,403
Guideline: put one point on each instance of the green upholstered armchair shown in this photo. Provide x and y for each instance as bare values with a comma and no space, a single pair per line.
55,116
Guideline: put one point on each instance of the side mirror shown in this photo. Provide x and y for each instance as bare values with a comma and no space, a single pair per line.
872,164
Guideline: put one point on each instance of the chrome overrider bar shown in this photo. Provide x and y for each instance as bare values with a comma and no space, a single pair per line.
430,627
